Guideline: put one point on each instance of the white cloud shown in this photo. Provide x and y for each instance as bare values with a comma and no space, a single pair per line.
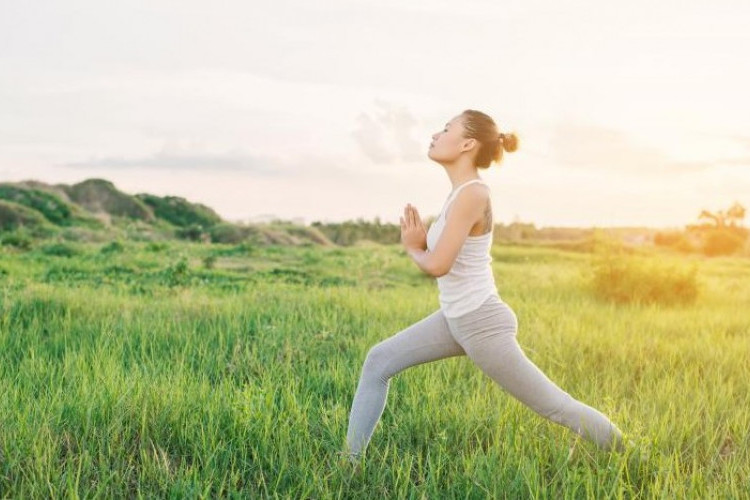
387,134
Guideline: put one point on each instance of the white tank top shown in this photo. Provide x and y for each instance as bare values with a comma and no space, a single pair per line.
470,281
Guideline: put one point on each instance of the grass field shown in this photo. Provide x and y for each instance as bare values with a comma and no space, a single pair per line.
197,370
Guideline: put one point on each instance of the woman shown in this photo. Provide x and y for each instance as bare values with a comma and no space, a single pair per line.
472,319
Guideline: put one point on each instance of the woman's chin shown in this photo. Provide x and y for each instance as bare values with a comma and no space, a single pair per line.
432,157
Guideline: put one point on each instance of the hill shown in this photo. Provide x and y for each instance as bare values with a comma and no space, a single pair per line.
95,210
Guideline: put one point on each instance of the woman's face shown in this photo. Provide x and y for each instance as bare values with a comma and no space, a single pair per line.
446,144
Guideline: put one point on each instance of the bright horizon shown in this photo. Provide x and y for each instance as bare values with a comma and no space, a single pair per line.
628,115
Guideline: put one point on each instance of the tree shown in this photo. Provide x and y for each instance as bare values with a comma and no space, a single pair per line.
718,217
736,214
726,235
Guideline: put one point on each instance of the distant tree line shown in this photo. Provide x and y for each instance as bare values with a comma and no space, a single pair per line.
349,232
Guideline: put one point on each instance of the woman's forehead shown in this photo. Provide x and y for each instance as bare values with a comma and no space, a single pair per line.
456,120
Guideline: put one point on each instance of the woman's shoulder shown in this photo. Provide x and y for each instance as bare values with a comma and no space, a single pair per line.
473,197
475,190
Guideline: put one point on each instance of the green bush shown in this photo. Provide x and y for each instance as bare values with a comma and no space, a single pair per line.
193,232
112,247
49,205
176,274
209,261
59,250
157,246
16,240
644,280
179,211
14,215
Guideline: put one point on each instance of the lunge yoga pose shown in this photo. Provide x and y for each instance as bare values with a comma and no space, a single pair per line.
472,319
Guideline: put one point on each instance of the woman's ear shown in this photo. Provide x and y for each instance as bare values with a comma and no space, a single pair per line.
468,145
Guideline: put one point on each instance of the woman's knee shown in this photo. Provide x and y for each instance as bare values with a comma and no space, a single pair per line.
376,361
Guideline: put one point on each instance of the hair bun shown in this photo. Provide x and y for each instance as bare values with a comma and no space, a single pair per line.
509,141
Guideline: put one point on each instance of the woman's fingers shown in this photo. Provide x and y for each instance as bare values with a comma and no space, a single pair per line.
415,214
411,217
417,218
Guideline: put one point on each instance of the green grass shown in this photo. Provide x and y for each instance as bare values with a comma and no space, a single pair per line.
138,371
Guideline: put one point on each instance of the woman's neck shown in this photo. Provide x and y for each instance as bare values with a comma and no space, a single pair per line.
457,180
462,170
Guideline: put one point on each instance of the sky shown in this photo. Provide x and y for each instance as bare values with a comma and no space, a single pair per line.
628,114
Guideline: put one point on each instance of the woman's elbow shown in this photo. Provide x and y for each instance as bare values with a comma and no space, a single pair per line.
435,267
437,271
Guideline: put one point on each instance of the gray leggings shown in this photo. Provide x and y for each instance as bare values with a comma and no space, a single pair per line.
488,336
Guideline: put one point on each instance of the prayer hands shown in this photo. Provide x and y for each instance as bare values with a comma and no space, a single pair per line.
413,230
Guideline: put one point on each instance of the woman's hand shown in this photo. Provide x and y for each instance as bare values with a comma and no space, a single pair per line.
413,230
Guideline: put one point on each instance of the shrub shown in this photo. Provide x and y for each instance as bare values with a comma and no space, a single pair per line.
179,211
209,261
157,246
14,215
676,240
49,205
724,241
112,247
193,232
177,274
644,280
59,250
16,240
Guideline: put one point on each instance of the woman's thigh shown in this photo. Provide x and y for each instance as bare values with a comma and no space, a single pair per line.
488,336
428,339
